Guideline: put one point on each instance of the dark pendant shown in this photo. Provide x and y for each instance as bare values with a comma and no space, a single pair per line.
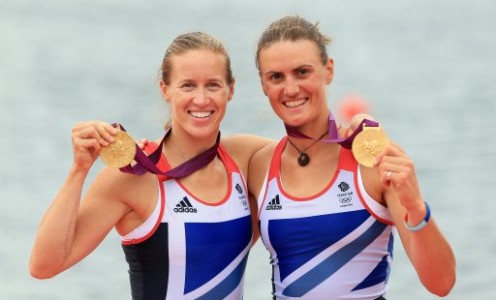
303,159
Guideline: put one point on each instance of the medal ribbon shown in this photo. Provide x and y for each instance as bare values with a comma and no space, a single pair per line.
148,163
346,142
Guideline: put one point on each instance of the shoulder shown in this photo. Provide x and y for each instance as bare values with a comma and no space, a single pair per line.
245,140
114,184
267,151
258,167
244,146
260,161
125,198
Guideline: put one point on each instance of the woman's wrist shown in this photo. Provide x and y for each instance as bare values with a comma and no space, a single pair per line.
419,220
78,173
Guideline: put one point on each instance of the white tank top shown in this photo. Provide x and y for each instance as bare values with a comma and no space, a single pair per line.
191,249
336,244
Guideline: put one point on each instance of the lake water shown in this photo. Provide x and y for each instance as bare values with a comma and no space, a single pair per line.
426,67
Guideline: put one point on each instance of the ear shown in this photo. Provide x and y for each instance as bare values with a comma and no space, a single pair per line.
329,70
163,90
231,90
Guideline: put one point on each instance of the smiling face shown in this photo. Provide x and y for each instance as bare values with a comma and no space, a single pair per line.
198,92
294,79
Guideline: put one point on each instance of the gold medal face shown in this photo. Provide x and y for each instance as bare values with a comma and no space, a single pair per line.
368,144
121,152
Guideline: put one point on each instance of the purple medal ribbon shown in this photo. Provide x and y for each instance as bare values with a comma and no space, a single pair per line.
146,163
346,142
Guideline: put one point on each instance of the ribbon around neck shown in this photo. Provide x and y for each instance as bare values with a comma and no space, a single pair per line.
333,137
148,163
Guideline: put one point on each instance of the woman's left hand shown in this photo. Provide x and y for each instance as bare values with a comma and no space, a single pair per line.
397,171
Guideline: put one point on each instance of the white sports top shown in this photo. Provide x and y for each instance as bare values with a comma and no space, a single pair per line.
336,244
188,248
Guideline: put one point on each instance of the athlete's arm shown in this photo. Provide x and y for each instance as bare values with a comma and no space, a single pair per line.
71,228
243,146
428,250
259,165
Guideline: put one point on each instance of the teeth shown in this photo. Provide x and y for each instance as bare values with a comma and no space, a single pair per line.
295,103
200,114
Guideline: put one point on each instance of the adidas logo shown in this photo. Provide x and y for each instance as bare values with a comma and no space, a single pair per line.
184,206
274,204
239,188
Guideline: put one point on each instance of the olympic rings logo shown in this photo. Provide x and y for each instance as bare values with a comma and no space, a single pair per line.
345,200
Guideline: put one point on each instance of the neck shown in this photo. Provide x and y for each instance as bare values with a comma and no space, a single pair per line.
313,128
180,146
304,143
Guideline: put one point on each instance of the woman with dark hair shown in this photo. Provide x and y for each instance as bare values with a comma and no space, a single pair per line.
326,220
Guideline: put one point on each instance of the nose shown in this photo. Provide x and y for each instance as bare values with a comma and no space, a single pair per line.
201,97
291,88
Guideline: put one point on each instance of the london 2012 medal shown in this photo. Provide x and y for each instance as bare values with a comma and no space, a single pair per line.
368,144
120,152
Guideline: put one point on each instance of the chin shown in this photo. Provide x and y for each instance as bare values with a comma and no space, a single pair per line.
203,132
293,120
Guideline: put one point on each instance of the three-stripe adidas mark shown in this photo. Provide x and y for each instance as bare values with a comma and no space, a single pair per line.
274,204
184,206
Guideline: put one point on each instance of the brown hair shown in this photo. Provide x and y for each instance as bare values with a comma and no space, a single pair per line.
193,41
293,28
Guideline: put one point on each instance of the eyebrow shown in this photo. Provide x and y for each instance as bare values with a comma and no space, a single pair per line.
304,66
271,73
297,68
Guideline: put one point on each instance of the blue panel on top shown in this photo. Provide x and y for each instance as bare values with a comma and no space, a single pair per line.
210,247
296,241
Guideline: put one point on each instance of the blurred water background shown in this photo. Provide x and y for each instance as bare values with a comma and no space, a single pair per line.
428,68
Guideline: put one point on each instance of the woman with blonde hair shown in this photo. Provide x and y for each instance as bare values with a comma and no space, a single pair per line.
187,231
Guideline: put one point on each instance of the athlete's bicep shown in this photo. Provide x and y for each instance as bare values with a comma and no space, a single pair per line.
100,210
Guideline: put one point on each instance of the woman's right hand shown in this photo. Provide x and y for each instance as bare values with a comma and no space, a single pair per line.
88,138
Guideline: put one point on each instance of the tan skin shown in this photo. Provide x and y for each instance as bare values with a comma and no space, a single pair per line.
295,80
74,225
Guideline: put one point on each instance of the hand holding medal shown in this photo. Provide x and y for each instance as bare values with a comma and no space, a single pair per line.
368,144
365,142
121,152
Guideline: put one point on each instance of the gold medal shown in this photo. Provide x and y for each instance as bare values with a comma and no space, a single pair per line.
368,144
119,153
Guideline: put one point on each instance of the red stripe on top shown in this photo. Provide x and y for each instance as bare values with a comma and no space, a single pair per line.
346,160
228,162
157,222
275,163
163,165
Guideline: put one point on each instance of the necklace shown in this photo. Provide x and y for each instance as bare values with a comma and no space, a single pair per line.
303,158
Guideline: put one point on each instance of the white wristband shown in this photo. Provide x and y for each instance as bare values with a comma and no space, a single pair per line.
423,223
